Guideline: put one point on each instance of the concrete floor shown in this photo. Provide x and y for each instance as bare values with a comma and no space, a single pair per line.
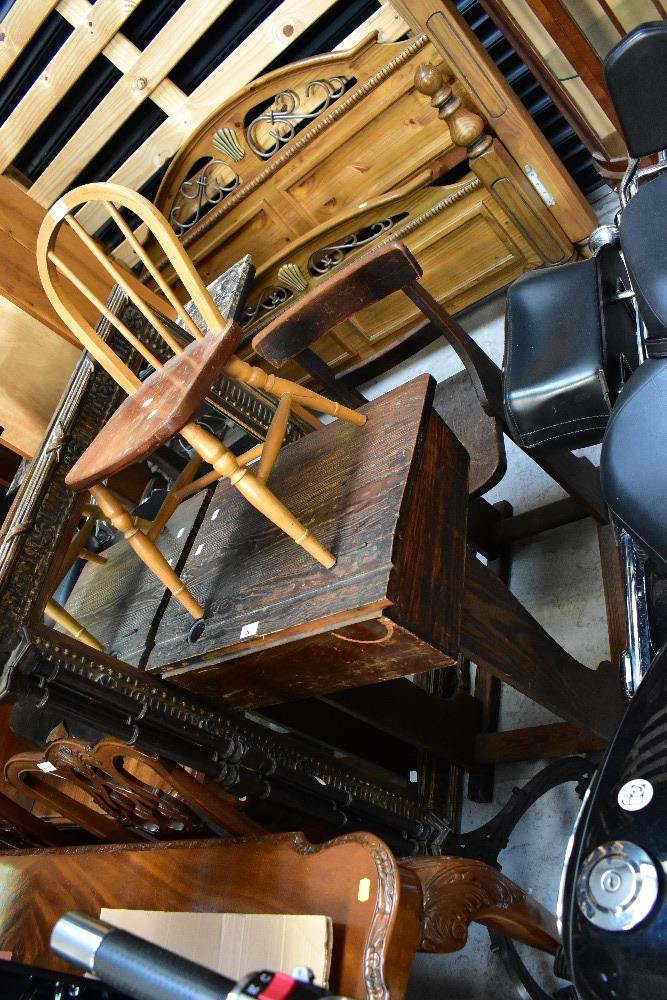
557,577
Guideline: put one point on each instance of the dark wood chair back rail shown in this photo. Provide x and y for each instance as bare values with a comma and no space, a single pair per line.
344,293
118,794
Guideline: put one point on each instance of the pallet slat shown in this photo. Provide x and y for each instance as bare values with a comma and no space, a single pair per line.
389,26
19,26
170,44
87,40
122,54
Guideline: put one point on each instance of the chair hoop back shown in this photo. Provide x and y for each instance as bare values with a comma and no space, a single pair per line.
59,276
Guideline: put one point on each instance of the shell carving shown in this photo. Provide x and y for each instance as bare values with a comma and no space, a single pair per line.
291,275
226,141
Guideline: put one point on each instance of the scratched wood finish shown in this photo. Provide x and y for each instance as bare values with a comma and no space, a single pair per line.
120,599
373,941
343,657
156,411
378,495
363,283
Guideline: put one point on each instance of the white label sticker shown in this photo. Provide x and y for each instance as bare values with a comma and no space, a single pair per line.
250,629
635,794
364,891
534,179
45,765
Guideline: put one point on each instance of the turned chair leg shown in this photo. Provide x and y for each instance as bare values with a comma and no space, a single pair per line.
274,438
145,548
70,624
255,491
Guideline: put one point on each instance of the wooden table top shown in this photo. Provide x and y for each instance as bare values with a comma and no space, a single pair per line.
389,499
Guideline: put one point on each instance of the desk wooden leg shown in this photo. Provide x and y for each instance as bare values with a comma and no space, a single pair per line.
459,891
488,688
499,634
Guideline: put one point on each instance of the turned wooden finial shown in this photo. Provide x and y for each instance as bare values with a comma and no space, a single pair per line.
429,79
466,127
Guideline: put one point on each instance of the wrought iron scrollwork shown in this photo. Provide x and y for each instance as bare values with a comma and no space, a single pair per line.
200,193
288,117
330,256
268,299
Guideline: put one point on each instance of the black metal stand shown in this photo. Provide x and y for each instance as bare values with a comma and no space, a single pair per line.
487,841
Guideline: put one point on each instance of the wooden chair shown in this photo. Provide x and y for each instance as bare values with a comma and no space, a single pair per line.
118,794
353,288
165,403
367,280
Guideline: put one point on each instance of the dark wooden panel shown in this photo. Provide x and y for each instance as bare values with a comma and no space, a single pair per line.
481,435
499,634
544,518
614,590
556,739
444,726
378,497
345,657
9,463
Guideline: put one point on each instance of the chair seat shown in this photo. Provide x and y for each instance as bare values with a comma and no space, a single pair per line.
555,391
632,466
645,247
162,405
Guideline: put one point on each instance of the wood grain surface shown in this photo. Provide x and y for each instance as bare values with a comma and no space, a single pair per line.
374,939
481,435
119,794
457,891
156,411
121,598
357,286
498,633
378,497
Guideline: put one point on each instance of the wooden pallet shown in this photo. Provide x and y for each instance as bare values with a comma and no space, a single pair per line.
145,76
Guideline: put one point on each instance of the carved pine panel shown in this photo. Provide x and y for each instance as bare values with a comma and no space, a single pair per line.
464,241
373,150
336,154
273,155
